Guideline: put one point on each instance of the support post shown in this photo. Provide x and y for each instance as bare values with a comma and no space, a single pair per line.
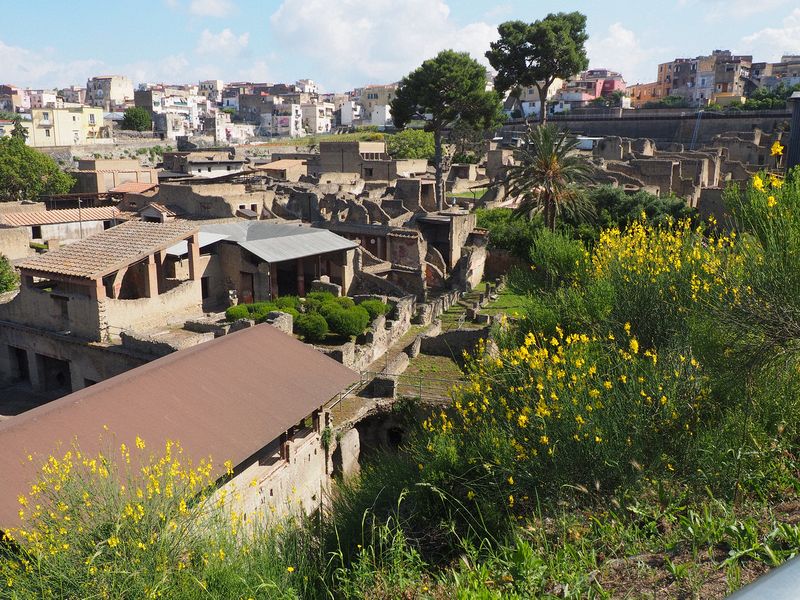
194,256
151,278
301,279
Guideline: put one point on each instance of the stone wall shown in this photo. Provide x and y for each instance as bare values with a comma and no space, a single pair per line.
452,343
15,243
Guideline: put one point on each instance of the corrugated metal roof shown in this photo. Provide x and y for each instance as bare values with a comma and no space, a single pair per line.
227,398
276,242
62,215
110,250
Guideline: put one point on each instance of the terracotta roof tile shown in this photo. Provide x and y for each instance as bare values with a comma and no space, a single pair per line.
110,250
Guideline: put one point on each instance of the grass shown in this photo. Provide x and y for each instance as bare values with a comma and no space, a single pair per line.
508,302
473,193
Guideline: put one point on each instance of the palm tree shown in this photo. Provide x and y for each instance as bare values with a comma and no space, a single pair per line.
544,176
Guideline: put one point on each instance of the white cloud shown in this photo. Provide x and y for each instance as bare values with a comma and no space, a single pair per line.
621,50
379,41
211,8
43,68
225,42
771,42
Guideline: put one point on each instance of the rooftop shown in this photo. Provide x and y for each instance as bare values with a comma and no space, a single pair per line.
63,215
271,242
110,250
227,413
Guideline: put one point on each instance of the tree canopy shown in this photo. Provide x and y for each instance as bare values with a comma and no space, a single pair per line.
26,173
411,143
445,90
536,54
137,119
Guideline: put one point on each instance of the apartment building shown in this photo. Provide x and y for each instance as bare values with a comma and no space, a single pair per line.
66,127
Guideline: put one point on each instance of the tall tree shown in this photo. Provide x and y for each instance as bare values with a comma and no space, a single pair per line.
547,166
446,90
8,276
536,54
19,131
137,119
26,173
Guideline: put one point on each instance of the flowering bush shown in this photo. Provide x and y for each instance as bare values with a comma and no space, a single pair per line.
130,524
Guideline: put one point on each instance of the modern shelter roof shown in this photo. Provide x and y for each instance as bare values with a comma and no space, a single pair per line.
227,398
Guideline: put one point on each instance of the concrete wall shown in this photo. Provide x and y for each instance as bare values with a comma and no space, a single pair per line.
645,124
274,487
15,243
174,306
59,311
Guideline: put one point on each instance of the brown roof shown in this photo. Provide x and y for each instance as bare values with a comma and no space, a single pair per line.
133,187
227,398
110,250
62,215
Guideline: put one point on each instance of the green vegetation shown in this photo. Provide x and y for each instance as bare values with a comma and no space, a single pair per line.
764,99
544,176
137,119
411,143
633,431
536,54
8,276
26,173
451,88
668,102
313,327
317,315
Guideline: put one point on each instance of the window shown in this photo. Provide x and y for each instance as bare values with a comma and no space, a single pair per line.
254,207
91,119
46,133
204,288
36,232
368,172
45,116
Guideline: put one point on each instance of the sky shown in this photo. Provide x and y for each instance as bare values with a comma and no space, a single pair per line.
342,44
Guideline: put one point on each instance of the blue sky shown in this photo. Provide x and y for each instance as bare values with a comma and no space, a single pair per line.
346,43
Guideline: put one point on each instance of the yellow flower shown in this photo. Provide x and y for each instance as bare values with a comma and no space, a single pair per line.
634,344
511,500
139,443
758,183
470,495
290,569
775,181
510,480
771,201
113,541
776,149
544,440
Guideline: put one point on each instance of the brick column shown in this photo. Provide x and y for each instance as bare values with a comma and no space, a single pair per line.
151,278
194,257
97,291
116,286
273,281
37,378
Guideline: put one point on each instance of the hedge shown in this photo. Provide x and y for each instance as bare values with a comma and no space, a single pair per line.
312,327
348,322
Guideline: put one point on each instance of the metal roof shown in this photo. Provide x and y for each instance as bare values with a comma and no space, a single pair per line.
227,398
274,242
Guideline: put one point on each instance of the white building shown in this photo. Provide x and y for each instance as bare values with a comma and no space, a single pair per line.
350,113
285,120
317,117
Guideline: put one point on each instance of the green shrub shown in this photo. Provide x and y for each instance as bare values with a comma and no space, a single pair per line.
348,322
345,302
8,276
557,259
375,308
315,300
313,327
288,302
234,313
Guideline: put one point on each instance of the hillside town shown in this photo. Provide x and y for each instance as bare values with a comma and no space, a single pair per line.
508,325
